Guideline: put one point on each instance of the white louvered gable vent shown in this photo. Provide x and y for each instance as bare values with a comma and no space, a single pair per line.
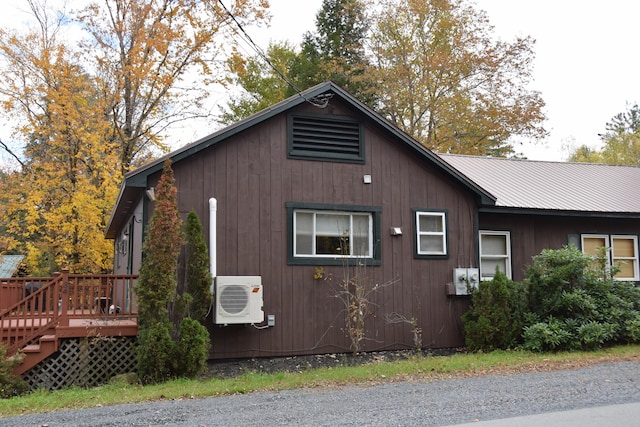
330,138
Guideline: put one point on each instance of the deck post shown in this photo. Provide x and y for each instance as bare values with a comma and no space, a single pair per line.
64,295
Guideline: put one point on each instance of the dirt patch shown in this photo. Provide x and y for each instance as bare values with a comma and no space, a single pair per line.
234,368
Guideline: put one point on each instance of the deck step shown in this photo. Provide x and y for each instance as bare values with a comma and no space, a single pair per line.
31,348
36,353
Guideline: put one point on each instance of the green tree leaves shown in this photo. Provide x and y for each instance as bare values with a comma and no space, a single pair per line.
621,141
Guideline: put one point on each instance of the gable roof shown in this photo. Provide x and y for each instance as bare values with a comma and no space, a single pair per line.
135,181
9,265
554,186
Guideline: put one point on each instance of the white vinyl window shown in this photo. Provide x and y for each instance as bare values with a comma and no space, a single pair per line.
331,234
495,252
620,251
431,233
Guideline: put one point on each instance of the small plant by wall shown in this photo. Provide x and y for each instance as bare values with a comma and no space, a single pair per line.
495,319
355,290
10,385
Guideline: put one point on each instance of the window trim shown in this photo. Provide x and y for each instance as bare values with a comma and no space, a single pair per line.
444,215
508,257
292,153
609,238
375,212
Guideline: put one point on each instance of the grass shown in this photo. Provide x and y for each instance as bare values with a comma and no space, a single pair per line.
418,368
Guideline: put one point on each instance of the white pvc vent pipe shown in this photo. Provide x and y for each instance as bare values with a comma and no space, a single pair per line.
213,212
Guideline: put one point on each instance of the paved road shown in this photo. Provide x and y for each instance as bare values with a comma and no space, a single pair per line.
613,415
565,398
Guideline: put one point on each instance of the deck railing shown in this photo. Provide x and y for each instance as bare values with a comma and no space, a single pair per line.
31,306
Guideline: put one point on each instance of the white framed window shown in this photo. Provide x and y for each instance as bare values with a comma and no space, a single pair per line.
331,234
495,252
431,233
620,251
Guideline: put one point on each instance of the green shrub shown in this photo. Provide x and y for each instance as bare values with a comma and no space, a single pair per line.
155,353
10,385
575,303
192,348
550,335
495,318
594,334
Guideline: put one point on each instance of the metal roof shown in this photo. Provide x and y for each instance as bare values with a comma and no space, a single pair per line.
9,264
554,186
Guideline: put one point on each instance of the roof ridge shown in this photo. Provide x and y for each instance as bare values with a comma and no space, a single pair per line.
535,160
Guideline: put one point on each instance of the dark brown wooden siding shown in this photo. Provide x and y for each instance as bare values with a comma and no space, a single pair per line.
252,179
530,234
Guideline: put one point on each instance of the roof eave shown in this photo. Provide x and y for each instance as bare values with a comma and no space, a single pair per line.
558,212
137,179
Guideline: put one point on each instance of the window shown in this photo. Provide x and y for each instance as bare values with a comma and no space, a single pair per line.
495,252
431,234
325,137
620,251
329,234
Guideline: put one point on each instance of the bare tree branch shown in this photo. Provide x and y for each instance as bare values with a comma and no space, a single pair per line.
6,148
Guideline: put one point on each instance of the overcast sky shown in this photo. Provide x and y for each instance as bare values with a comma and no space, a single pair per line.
586,57
586,67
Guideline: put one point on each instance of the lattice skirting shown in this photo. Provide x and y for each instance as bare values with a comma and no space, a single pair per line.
84,362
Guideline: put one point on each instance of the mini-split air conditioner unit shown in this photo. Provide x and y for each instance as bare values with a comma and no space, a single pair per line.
238,300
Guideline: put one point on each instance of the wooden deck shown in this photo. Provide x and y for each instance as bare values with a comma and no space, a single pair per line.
35,313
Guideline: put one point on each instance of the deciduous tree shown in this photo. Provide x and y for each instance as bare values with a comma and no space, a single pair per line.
144,51
334,51
261,84
57,202
443,79
85,114
621,141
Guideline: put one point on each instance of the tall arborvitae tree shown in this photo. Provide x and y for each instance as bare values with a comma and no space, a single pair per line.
180,348
163,240
157,283
198,277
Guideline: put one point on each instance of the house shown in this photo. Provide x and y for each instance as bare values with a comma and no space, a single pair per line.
542,205
304,195
9,264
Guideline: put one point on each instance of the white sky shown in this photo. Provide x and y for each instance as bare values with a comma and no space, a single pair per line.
586,62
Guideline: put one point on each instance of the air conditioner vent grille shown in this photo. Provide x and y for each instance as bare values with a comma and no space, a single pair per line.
234,298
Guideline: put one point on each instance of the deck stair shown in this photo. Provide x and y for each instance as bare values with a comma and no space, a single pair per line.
36,353
36,313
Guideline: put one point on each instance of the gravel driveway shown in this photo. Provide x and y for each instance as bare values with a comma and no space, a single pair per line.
441,402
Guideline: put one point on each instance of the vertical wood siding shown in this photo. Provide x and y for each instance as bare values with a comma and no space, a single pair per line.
252,179
530,234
